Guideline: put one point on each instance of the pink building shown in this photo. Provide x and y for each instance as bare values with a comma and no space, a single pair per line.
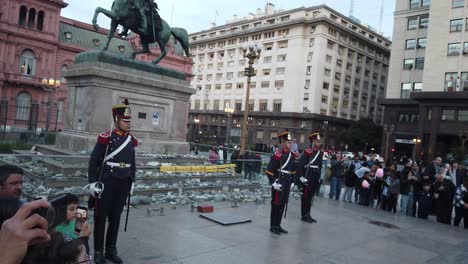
36,45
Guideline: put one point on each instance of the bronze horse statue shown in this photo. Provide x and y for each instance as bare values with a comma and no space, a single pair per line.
124,13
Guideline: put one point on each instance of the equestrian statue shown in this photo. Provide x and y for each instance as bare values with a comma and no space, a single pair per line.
142,17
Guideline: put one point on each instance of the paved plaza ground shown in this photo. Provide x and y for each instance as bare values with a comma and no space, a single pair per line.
343,234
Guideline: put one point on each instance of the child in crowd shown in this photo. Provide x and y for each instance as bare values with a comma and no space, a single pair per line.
424,200
461,204
67,228
365,189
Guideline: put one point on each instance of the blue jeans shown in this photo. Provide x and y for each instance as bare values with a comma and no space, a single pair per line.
404,204
335,188
348,195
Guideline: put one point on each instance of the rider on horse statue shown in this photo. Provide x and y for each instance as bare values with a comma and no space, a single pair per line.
147,11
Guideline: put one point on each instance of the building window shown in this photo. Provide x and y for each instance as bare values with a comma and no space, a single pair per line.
216,105
412,23
451,79
228,86
238,105
266,72
410,44
464,81
422,43
424,21
281,57
325,86
328,58
408,64
311,42
265,84
406,89
414,3
229,75
456,25
27,63
22,16
252,85
462,115
280,71
330,44
324,99
40,20
419,65
283,44
449,115
31,17
263,106
417,87
240,85
218,87
23,106
327,72
267,59
426,3
454,49
458,3
279,84
277,106
197,104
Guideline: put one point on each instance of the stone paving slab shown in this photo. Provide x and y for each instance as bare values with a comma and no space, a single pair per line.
343,234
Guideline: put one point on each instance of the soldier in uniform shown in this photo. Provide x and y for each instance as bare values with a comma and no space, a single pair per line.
309,168
112,163
280,172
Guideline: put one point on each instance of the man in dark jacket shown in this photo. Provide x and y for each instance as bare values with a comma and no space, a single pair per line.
444,191
337,172
432,169
405,186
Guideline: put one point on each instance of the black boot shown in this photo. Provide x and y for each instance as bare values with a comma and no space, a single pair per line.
111,254
99,258
275,230
282,230
311,219
306,219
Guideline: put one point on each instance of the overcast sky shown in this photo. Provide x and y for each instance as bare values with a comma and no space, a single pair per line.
197,15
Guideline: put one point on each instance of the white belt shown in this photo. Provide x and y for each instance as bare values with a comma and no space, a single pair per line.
285,171
314,166
120,165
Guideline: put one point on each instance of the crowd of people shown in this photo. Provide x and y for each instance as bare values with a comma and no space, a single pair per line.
417,190
29,236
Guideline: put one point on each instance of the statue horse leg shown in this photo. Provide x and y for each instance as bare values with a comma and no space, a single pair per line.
144,50
162,47
112,30
181,35
110,14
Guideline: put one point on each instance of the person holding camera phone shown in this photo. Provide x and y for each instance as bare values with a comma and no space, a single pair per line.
112,164
75,226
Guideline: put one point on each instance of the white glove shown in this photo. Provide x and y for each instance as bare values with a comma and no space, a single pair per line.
132,188
303,180
277,186
292,185
95,188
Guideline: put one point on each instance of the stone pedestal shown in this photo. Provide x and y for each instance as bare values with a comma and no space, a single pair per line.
158,97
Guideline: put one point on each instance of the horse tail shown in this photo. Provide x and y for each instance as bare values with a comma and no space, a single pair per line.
181,35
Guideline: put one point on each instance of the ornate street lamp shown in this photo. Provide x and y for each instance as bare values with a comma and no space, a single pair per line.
251,52
229,111
49,85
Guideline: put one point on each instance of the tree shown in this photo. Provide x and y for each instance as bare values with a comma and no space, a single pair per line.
361,132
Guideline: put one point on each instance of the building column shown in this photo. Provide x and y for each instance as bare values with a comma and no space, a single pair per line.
419,148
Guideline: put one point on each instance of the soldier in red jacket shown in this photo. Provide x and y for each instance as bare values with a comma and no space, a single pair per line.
309,168
280,172
112,163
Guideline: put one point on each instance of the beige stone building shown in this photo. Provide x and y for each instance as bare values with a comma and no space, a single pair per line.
316,65
427,91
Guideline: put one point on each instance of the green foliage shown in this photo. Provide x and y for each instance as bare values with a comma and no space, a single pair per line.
8,147
361,132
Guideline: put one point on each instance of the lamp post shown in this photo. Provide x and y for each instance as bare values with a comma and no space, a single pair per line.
49,85
251,52
416,142
196,120
325,127
229,111
388,129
